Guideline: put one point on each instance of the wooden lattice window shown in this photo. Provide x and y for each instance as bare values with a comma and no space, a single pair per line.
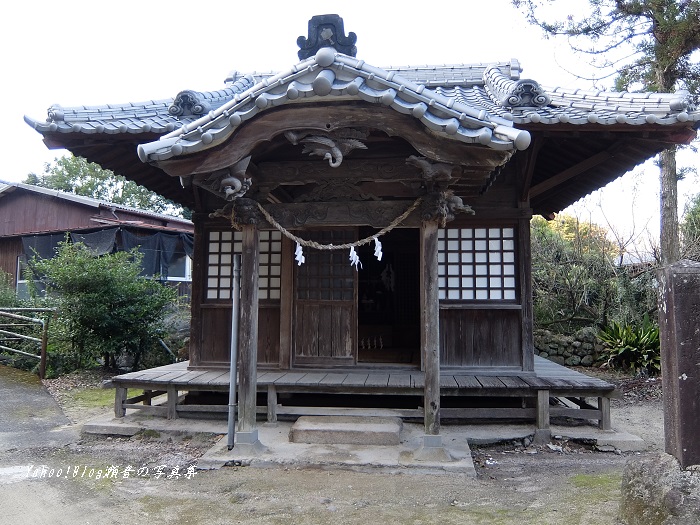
220,251
327,275
477,264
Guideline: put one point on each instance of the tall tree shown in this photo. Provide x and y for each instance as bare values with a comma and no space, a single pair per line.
76,175
646,44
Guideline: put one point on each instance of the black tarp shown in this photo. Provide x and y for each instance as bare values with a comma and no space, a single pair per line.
99,242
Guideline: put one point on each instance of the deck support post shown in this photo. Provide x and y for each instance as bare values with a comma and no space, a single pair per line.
271,404
172,402
119,400
543,433
604,407
248,337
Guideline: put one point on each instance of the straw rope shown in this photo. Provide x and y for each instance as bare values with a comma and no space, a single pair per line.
313,244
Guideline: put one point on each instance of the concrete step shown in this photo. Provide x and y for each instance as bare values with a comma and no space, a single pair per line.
346,430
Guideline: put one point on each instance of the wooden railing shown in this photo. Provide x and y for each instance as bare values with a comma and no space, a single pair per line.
16,327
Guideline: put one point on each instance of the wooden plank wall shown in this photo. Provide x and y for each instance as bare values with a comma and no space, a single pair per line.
10,249
215,339
480,338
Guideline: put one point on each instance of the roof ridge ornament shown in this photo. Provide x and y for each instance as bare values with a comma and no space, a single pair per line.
189,102
509,93
326,31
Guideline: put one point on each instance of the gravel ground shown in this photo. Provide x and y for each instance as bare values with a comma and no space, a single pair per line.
561,483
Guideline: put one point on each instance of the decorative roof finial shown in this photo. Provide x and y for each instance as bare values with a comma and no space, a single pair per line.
326,31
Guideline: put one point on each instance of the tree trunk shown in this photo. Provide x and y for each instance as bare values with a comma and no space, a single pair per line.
669,241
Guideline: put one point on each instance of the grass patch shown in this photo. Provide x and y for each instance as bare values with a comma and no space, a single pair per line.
91,398
598,482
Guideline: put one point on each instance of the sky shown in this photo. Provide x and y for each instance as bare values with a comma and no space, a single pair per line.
77,52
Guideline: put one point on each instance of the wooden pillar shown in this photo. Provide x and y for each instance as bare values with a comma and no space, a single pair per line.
527,315
119,400
248,331
679,319
430,326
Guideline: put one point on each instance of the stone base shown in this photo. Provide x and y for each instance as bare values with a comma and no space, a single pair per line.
346,430
432,450
655,491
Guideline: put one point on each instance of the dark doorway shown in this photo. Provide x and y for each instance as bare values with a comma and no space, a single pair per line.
388,299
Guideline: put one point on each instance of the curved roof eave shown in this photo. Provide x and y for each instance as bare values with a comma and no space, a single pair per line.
333,74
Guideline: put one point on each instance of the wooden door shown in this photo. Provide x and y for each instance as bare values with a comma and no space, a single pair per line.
325,299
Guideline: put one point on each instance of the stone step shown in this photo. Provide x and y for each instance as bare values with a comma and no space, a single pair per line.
346,430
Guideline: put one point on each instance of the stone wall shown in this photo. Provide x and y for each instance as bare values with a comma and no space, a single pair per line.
580,349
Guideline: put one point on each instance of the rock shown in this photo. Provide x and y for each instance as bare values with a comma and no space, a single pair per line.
557,359
574,360
587,360
655,491
544,354
576,344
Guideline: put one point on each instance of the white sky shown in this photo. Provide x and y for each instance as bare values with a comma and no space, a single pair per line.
87,52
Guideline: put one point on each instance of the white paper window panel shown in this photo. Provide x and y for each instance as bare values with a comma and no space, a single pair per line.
495,269
452,233
441,270
224,294
480,246
509,294
228,236
468,270
264,258
509,282
441,256
508,257
495,257
453,269
275,270
482,294
212,282
264,246
480,257
212,294
494,244
214,236
508,232
495,294
213,270
454,294
274,293
453,257
467,282
467,257
482,282
467,246
276,258
481,269
441,282
453,282
508,245
453,246
263,270
225,282
494,233
495,282
263,282
468,294
480,233
441,234
508,269
467,233
262,294
442,294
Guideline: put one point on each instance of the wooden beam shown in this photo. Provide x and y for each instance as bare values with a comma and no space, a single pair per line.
248,329
530,161
430,331
577,169
527,315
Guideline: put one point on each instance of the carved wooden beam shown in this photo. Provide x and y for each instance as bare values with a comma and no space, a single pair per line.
325,119
370,213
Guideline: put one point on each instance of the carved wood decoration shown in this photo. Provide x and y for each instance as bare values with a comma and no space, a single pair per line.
441,206
336,190
229,183
331,146
436,175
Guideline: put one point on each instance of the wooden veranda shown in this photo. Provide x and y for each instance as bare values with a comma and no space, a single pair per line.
551,390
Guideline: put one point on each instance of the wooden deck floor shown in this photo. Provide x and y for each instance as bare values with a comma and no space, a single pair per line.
549,381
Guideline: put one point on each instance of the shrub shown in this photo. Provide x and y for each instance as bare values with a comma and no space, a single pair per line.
635,348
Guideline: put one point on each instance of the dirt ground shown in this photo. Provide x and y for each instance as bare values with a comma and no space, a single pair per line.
104,480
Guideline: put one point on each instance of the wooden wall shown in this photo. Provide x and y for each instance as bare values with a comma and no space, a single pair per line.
10,249
480,338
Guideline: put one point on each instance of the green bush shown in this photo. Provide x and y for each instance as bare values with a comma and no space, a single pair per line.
106,310
636,348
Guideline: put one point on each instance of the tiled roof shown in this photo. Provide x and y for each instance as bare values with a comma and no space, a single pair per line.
479,103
